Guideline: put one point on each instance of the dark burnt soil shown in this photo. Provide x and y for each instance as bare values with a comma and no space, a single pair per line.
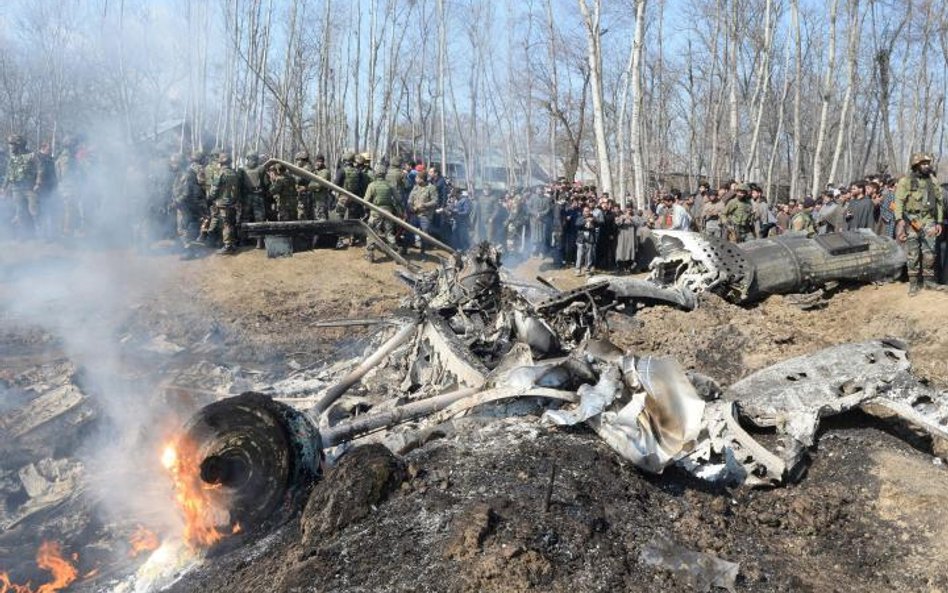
471,515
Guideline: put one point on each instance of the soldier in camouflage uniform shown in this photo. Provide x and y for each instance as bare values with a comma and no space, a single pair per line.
424,201
918,211
69,175
304,196
196,164
381,194
739,215
349,178
396,178
283,192
322,197
187,197
253,192
225,194
803,220
210,171
20,184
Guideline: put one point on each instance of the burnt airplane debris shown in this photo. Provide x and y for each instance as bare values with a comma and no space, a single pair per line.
790,263
471,337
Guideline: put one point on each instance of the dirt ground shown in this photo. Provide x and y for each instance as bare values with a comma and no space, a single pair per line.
467,511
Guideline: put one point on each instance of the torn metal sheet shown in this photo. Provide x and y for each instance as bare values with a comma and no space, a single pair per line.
789,263
697,570
647,292
794,395
651,428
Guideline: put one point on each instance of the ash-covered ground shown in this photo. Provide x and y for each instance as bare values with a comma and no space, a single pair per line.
470,505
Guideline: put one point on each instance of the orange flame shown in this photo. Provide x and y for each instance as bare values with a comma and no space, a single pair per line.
142,540
196,499
48,557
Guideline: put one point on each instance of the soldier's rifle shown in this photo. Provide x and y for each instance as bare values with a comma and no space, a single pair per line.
326,183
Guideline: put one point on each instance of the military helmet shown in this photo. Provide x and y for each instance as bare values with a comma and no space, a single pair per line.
380,171
349,157
360,159
252,157
302,155
742,187
16,140
920,157
223,158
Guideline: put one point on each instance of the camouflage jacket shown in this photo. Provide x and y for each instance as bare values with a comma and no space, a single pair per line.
739,213
918,199
396,178
185,189
225,190
380,194
21,171
253,180
318,189
423,199
803,221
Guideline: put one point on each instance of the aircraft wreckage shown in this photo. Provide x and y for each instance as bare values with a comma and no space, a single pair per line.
471,336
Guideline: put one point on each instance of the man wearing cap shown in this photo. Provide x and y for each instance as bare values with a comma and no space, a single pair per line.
20,184
802,221
919,212
739,215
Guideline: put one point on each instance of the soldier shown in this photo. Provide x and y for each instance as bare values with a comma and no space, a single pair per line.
424,201
711,216
322,198
349,178
197,162
381,194
918,213
803,220
68,174
283,192
187,197
304,197
739,215
20,184
396,178
225,195
210,171
253,192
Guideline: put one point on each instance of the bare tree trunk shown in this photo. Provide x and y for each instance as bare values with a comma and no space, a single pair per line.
855,33
594,54
826,96
797,99
752,171
635,124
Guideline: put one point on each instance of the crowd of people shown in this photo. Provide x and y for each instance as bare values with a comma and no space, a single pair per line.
203,199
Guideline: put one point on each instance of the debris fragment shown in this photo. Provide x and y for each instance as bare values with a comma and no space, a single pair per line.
790,263
697,570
